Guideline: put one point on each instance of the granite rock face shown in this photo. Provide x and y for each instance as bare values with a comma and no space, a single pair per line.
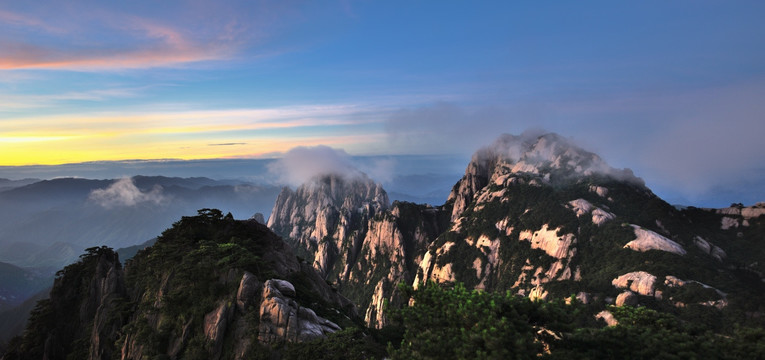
640,282
649,240
327,217
355,238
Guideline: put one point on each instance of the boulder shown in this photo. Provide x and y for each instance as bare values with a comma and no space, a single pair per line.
606,316
627,298
283,319
649,240
640,282
248,293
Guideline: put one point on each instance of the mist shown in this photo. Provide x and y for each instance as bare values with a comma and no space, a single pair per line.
123,192
301,164
700,148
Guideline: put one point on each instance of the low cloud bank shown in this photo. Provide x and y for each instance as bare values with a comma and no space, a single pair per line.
301,164
124,193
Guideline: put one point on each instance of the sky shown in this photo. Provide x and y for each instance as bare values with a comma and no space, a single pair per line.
674,90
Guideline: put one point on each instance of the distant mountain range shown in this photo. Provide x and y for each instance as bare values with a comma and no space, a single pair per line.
48,223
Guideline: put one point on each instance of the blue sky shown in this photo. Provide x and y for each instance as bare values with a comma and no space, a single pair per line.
672,89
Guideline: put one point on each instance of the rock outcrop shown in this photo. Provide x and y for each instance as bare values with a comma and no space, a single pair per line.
283,319
710,249
640,282
747,212
649,240
607,317
583,207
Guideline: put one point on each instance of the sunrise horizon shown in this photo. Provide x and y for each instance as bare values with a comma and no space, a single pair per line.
660,88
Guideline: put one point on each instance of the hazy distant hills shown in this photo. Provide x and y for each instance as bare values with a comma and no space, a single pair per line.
17,284
6,184
49,222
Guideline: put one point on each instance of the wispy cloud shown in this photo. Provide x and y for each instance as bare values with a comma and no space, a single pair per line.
16,103
104,39
187,134
188,121
228,144
17,19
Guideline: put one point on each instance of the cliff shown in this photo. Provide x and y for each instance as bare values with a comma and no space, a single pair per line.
210,287
355,238
326,219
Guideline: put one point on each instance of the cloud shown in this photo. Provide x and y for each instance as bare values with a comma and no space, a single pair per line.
161,121
16,19
158,51
90,37
124,193
301,164
10,102
228,144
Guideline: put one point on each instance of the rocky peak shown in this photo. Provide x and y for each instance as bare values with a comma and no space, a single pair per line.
547,158
327,215
346,228
325,191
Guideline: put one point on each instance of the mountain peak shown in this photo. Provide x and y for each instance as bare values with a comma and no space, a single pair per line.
544,157
326,207
547,155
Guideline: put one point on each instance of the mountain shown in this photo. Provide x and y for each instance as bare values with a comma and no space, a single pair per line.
538,216
350,233
14,319
48,223
7,184
326,218
542,250
18,284
211,287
